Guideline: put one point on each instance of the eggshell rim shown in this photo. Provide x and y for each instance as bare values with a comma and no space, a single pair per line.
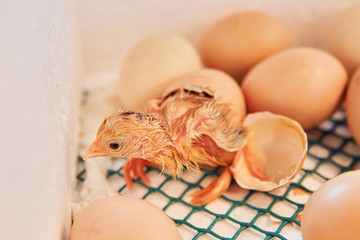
240,169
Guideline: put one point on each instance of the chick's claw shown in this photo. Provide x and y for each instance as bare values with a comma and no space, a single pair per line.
135,168
214,190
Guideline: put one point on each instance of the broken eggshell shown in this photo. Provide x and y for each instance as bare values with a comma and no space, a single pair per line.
275,150
220,85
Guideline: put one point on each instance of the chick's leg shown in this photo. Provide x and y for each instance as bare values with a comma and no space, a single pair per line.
135,168
214,190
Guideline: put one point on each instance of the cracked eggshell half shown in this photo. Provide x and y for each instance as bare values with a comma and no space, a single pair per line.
221,85
152,65
275,150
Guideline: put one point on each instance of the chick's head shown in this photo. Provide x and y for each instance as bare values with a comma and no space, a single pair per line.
124,134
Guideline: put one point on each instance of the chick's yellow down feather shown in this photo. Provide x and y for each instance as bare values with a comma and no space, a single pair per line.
185,129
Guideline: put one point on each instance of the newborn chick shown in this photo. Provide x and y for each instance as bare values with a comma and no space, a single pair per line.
187,129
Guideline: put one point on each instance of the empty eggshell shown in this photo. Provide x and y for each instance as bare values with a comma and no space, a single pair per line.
352,106
120,217
274,152
223,87
305,84
151,65
333,211
344,38
238,42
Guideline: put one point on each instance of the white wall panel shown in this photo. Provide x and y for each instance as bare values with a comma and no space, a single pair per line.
38,118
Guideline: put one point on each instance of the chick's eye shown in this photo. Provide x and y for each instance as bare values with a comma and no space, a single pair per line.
114,146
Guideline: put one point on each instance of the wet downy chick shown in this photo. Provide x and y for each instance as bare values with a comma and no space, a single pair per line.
187,128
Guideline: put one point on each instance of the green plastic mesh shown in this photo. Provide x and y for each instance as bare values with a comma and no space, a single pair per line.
331,152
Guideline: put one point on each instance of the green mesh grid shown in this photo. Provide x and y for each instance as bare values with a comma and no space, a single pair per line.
331,152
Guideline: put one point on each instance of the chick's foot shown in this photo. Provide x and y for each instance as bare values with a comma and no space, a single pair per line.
214,190
135,168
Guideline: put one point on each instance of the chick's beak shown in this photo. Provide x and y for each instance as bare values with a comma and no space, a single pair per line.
94,150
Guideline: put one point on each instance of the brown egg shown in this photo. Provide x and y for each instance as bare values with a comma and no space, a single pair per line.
238,42
333,211
305,84
120,217
352,106
274,152
222,86
344,38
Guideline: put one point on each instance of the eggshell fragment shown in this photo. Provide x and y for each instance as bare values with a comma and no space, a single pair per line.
151,65
333,211
352,106
274,153
305,84
344,38
238,42
120,217
223,87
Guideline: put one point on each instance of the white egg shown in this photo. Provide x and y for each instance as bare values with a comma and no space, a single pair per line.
152,65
